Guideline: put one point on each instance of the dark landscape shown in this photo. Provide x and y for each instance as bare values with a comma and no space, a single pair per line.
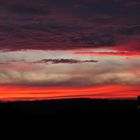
73,113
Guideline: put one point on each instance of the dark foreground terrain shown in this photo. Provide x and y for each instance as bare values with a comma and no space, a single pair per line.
71,113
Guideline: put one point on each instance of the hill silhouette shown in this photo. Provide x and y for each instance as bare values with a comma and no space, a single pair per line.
94,113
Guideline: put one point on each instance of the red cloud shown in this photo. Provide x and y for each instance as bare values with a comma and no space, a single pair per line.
111,53
108,53
39,93
132,45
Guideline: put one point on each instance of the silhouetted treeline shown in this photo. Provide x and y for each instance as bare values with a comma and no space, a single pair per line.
71,113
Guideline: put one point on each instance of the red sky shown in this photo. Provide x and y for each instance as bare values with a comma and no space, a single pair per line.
69,48
34,93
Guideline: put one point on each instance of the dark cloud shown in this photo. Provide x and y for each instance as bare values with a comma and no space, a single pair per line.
65,61
95,40
64,24
29,9
132,30
48,61
6,28
54,27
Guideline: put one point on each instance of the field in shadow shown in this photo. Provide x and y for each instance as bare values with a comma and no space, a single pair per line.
71,113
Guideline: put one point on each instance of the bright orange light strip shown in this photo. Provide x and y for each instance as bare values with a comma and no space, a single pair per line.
9,93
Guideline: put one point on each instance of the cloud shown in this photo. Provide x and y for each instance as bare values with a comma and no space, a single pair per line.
29,9
64,61
52,36
6,28
111,53
131,30
23,65
130,44
40,93
51,27
61,25
114,71
69,43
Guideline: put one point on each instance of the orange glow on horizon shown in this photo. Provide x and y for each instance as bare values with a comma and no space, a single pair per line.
9,93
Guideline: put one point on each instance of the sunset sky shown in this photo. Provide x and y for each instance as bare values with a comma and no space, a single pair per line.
52,49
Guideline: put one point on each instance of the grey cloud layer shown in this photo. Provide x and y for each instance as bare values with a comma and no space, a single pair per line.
87,74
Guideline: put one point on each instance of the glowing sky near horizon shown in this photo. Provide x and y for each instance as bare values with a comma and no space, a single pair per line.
69,49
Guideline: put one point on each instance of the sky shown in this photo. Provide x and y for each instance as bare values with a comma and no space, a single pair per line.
56,49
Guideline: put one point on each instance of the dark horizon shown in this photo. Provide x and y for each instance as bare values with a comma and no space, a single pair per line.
71,113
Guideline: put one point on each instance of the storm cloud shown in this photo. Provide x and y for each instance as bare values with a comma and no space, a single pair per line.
47,25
